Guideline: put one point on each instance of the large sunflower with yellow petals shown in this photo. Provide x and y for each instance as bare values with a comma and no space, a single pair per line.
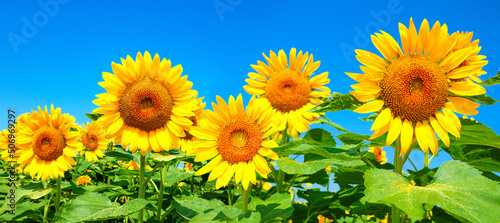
473,64
286,84
93,139
237,140
411,89
186,141
46,146
147,103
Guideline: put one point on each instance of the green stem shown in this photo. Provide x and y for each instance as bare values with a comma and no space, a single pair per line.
425,177
368,162
246,198
142,187
58,194
229,194
399,170
414,167
160,194
292,182
281,174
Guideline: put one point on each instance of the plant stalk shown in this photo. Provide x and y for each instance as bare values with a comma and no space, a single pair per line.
58,194
246,198
142,186
399,170
160,194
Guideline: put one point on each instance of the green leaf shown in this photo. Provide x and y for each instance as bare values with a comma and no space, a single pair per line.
337,102
249,217
93,116
458,188
276,208
128,208
24,209
290,166
82,207
191,206
172,154
175,175
483,99
372,117
319,137
21,193
491,81
120,154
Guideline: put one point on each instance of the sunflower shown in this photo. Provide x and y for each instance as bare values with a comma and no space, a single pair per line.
83,180
93,139
237,140
185,142
5,146
45,143
289,88
379,154
147,103
473,64
411,88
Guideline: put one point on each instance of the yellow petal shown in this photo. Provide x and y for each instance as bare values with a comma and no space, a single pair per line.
441,132
394,131
218,170
369,107
406,136
210,165
382,119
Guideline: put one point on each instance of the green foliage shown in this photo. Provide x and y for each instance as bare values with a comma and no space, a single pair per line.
491,81
290,166
93,116
276,208
192,206
457,188
478,145
337,102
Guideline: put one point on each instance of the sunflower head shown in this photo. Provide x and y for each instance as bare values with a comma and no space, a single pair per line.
473,63
147,104
412,87
236,140
186,141
8,149
379,154
93,140
286,84
46,144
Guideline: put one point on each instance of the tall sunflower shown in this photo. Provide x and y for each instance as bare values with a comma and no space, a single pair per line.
472,66
411,88
147,103
237,140
93,138
288,86
45,143
186,141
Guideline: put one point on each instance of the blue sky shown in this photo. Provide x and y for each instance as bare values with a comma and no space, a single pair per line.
54,52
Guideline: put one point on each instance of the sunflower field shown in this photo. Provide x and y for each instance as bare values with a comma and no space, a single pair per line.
155,151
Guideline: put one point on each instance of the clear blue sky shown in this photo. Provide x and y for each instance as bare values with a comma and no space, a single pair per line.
55,52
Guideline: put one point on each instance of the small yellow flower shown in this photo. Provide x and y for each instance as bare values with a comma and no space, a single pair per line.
180,184
83,180
322,219
328,168
266,186
379,154
124,199
309,184
131,165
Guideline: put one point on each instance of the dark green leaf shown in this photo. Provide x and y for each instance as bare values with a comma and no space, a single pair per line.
120,154
175,175
337,102
483,99
190,206
128,208
290,166
82,207
319,137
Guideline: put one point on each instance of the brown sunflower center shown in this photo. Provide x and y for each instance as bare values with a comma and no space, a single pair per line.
288,90
89,140
414,87
239,141
48,143
146,104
